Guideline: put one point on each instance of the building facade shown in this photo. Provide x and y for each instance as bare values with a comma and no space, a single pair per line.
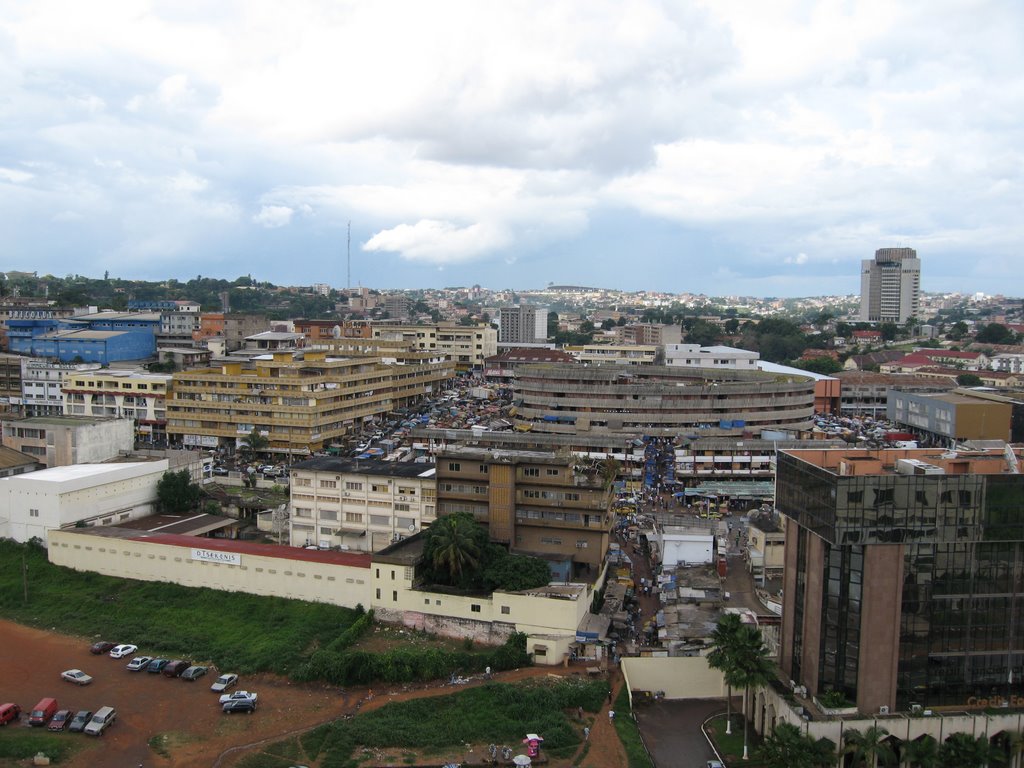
890,286
534,502
948,418
60,441
522,324
80,495
301,405
902,583
696,356
120,394
661,400
466,345
362,506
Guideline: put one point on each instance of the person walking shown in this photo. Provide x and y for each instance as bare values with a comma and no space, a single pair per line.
611,716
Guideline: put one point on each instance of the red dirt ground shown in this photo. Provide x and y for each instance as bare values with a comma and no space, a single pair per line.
197,734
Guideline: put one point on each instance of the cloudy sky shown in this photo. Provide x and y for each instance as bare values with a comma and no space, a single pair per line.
725,147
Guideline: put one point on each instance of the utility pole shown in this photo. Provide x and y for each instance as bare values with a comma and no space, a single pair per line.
348,257
24,577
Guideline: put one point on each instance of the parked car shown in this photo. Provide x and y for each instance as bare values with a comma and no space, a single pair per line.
43,711
139,662
79,721
193,673
220,471
175,668
224,682
103,719
60,720
240,705
9,712
100,647
238,695
120,651
76,676
157,665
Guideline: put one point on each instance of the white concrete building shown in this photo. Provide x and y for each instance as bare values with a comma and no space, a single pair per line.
686,545
86,494
696,356
41,384
363,506
59,441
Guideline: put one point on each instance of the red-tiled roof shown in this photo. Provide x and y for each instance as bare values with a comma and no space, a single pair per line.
331,557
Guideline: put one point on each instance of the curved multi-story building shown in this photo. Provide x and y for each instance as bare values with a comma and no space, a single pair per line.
659,400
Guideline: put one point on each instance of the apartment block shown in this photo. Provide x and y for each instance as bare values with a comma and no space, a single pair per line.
616,354
60,441
466,345
535,502
362,506
300,404
134,395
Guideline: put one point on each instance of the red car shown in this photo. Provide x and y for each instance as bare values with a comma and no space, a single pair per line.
101,647
60,720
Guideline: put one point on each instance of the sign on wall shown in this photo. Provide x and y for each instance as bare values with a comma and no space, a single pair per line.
216,556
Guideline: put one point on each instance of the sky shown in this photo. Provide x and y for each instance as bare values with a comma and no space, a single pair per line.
727,147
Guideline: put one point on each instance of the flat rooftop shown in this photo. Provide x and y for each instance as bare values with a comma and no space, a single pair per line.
883,462
365,467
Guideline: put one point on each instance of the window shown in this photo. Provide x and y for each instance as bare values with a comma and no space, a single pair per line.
506,610
475,607
921,497
380,520
454,466
855,497
401,507
581,544
326,531
33,513
376,488
531,472
378,594
551,472
352,486
483,469
328,484
303,512
394,596
355,517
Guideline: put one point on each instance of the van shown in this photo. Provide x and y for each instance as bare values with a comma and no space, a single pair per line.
42,712
101,720
9,712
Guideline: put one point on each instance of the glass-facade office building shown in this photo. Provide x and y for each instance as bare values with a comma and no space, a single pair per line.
904,577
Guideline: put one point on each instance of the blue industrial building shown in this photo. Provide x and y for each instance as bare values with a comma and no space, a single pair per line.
103,337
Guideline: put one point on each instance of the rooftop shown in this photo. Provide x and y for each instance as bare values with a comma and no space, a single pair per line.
365,467
884,461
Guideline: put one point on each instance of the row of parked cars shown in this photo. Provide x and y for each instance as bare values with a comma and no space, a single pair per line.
239,701
48,713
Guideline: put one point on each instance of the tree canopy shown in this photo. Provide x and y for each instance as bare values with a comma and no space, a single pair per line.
459,554
175,492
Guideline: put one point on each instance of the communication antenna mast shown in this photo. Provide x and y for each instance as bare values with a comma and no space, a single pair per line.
348,257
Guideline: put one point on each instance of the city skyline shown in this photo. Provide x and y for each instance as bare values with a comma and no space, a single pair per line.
719,148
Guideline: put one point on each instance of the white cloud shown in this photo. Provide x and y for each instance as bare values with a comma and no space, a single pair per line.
481,135
14,176
439,242
272,216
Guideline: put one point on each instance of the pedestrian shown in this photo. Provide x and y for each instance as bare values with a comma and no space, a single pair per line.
611,715
586,735
579,712
609,696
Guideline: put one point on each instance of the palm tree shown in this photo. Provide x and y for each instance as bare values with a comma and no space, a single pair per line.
961,750
787,747
752,668
922,753
870,747
452,545
255,442
723,641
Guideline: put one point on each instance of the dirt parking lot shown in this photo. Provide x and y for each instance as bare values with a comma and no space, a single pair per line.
185,715
185,718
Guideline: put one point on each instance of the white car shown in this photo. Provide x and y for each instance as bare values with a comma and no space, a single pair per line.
120,651
139,663
76,676
224,682
238,695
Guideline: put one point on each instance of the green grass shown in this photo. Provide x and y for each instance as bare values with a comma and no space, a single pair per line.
629,733
730,746
495,713
237,631
18,743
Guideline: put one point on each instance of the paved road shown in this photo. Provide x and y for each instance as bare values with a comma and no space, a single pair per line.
672,731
